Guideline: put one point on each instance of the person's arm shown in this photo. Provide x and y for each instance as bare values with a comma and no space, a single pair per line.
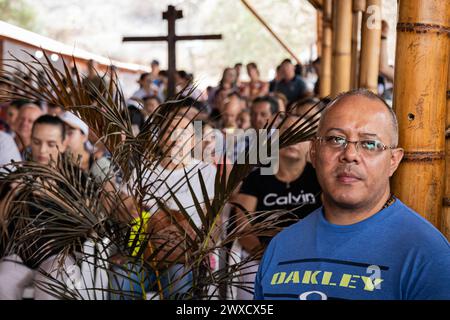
245,89
264,89
250,243
119,201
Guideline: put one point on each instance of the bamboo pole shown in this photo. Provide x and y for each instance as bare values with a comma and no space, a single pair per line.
326,60
370,46
359,6
342,46
421,67
446,201
319,32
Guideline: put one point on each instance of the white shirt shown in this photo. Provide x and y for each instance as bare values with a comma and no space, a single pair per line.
196,93
8,149
141,93
162,179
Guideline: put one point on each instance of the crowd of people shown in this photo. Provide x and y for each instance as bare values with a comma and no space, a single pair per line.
349,220
39,131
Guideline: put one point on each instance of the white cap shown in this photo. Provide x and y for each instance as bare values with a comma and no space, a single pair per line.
74,122
135,103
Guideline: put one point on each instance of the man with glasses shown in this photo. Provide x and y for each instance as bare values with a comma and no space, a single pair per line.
364,243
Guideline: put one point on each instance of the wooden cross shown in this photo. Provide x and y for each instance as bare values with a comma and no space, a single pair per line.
171,15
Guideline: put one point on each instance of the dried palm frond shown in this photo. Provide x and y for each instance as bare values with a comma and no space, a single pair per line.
103,227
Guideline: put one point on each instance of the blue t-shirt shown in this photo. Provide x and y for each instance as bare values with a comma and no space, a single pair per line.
394,254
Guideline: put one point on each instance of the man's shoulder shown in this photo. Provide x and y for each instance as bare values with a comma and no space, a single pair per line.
5,137
298,78
422,232
138,94
9,148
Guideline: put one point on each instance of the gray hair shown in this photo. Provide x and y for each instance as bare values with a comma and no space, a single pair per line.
370,95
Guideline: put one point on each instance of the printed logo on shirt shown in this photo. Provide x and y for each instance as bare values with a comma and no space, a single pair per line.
327,278
311,282
273,199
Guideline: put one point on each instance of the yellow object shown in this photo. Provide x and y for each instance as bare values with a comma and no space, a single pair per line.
138,228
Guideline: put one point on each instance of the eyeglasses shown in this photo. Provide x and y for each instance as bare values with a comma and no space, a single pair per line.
367,147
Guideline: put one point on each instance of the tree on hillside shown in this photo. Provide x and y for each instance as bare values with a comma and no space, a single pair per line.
18,12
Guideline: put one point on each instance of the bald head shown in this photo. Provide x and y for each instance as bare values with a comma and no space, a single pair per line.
31,106
364,103
231,112
28,113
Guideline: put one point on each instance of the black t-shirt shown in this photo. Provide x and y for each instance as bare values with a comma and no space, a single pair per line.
215,115
300,197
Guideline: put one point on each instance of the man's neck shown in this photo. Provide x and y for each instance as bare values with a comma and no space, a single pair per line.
22,143
289,79
290,170
336,214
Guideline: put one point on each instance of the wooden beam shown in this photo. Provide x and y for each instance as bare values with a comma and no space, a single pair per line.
177,38
264,23
200,37
171,15
420,86
156,38
370,46
317,4
342,46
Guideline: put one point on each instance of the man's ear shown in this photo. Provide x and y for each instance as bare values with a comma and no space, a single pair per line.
396,158
313,153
